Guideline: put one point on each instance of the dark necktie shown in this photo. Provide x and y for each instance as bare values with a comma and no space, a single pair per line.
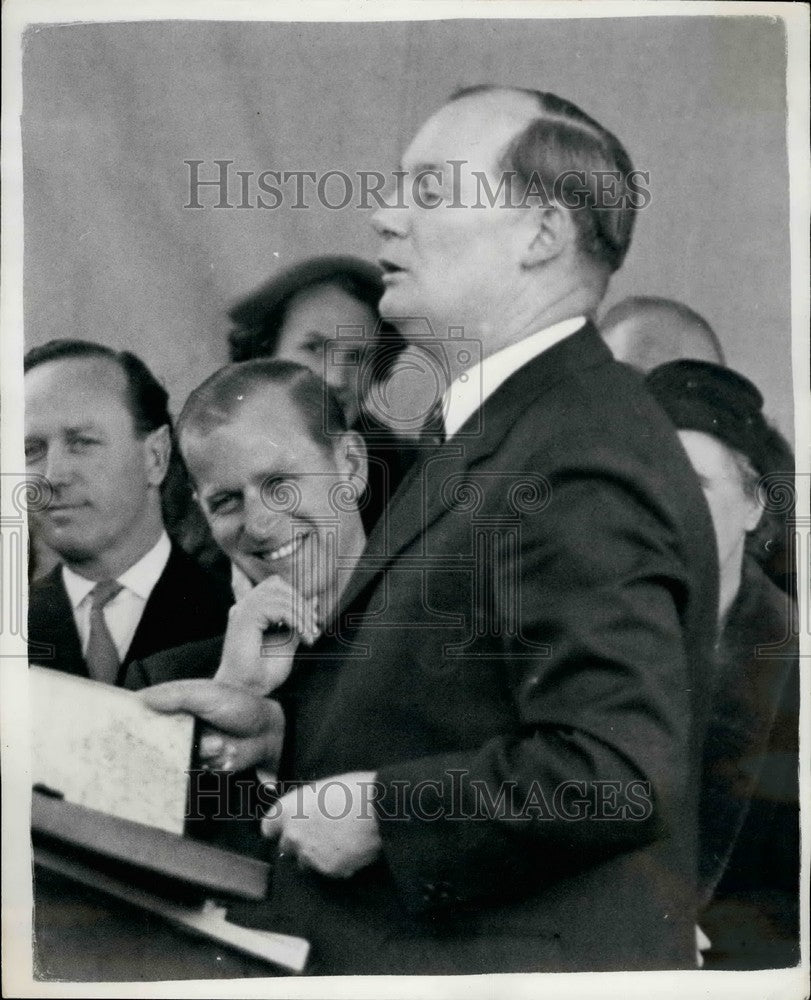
432,432
102,656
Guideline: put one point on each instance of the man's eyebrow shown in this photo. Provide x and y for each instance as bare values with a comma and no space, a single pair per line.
84,428
422,167
218,491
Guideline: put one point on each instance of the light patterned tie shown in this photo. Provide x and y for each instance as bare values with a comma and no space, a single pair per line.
102,656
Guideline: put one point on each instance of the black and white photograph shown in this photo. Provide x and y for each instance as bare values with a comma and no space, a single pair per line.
405,490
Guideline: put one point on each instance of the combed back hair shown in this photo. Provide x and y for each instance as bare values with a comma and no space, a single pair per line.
564,138
218,400
147,400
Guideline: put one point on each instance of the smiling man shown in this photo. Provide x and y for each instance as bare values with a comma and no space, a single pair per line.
278,481
98,429
265,465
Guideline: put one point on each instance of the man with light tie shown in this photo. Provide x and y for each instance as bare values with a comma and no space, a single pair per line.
98,429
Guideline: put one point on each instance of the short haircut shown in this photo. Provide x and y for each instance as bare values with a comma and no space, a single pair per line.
562,139
217,400
146,398
259,318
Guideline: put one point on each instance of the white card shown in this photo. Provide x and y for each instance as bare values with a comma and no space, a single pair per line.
101,747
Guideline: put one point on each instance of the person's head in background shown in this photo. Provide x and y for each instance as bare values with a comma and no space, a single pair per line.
321,313
278,487
719,416
97,427
646,332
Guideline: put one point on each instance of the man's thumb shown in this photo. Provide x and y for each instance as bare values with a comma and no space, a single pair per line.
272,823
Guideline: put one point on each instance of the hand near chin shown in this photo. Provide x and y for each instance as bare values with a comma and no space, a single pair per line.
265,628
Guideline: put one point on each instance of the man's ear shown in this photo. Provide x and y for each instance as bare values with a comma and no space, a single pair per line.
754,513
351,455
552,232
157,452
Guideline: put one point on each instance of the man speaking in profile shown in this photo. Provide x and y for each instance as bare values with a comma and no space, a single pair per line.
502,740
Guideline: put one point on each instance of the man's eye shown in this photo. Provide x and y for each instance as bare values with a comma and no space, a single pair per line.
83,442
224,505
34,451
430,194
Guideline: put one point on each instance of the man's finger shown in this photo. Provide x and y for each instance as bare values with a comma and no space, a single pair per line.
196,696
211,745
280,603
272,825
234,710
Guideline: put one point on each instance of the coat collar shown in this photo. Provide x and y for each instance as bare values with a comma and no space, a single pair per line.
412,511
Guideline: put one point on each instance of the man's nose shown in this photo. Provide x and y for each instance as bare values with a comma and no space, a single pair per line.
391,220
260,520
59,467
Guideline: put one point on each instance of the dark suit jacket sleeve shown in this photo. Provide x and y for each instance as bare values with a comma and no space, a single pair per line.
194,659
601,583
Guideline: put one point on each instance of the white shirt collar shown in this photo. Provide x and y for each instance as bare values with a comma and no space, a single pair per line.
470,389
140,578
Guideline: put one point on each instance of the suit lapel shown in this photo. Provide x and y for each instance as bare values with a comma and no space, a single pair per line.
53,627
413,510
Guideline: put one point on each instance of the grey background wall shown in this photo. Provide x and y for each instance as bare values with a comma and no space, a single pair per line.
112,111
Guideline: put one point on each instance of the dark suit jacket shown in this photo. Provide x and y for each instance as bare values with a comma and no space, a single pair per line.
536,608
743,761
387,461
186,604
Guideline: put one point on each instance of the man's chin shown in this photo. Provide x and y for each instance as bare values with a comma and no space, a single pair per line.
395,305
74,552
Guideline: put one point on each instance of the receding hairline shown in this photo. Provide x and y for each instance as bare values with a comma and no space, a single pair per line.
89,361
511,97
495,91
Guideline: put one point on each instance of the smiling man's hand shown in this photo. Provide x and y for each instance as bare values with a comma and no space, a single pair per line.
272,603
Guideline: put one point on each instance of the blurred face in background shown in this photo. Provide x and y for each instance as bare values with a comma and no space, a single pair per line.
311,321
730,497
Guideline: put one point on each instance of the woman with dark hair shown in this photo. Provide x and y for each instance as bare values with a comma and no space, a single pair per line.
322,313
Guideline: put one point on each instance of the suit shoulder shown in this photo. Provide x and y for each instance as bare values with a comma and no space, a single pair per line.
184,576
604,411
47,596
49,583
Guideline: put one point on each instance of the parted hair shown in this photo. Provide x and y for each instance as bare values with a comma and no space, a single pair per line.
217,400
147,400
564,140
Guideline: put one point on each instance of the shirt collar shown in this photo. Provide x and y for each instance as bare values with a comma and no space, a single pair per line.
470,389
140,578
